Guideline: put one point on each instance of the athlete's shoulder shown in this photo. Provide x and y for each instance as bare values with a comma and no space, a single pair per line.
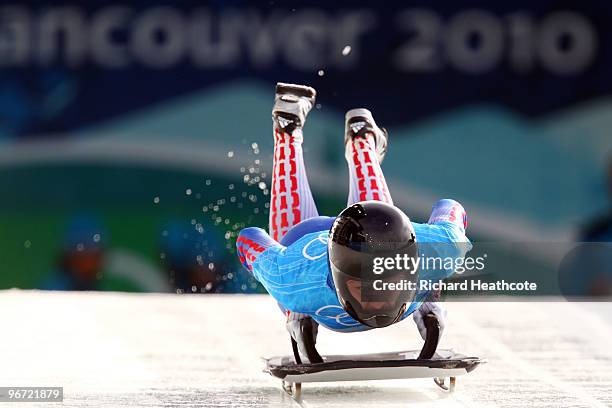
445,230
311,246
439,232
443,239
447,211
255,240
252,243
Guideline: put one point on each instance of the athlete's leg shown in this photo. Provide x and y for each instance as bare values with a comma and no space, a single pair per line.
365,146
291,200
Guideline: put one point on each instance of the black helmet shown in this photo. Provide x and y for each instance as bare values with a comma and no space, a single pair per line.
360,237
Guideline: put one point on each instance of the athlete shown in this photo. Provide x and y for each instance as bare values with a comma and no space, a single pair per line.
319,269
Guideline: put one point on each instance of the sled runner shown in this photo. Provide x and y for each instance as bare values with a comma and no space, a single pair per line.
426,363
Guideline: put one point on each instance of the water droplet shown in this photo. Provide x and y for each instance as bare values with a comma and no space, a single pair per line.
321,72
96,237
80,247
318,106
262,185
230,154
254,145
231,187
156,200
193,221
242,169
188,191
208,286
204,209
27,243
211,266
208,182
194,288
257,161
346,50
162,255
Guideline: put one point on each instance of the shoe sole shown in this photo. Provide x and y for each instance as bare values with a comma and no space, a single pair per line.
298,90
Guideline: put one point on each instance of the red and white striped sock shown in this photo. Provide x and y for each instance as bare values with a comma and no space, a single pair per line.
367,181
291,200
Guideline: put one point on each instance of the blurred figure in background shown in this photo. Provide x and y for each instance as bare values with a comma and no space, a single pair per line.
196,260
587,269
193,257
600,228
87,263
81,260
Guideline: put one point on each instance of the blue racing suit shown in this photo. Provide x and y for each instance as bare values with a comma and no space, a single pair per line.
296,271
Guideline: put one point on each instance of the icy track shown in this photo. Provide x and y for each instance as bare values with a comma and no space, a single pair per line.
111,350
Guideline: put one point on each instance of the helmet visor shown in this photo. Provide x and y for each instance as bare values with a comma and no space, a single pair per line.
374,302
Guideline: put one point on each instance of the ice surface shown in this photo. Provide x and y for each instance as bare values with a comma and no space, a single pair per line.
110,350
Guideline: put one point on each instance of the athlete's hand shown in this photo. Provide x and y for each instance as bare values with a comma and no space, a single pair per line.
294,327
424,310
